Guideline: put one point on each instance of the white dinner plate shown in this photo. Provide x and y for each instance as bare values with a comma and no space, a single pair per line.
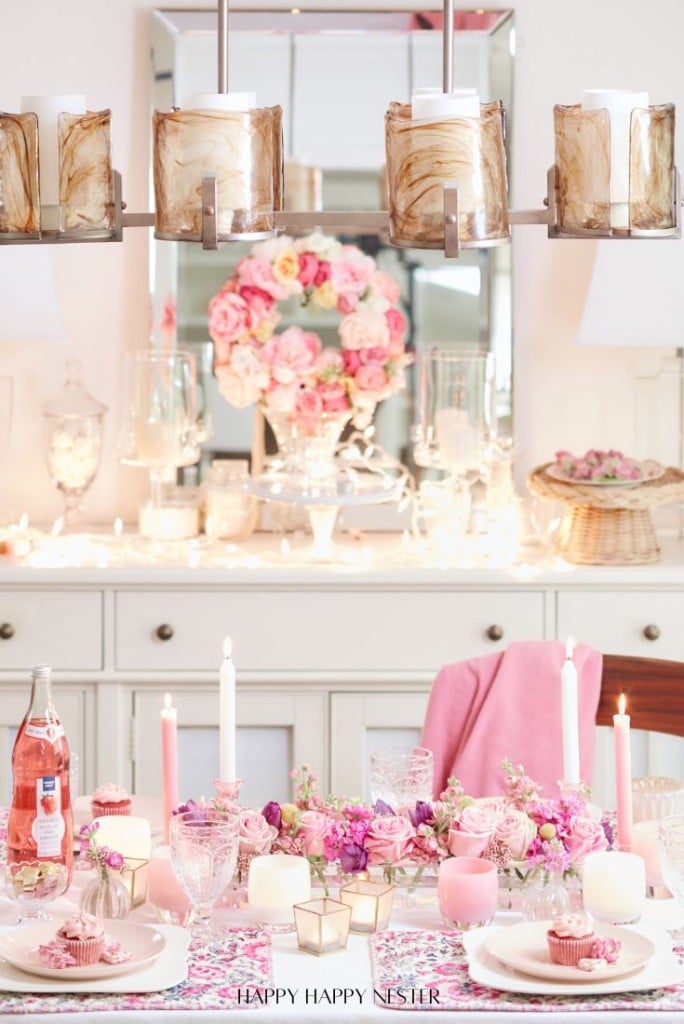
648,471
524,948
20,949
661,971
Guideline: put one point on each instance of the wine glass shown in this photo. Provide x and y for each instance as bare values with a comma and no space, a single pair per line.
204,849
400,777
32,884
671,855
158,427
72,435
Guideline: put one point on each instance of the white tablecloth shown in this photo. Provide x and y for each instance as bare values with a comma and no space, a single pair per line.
313,988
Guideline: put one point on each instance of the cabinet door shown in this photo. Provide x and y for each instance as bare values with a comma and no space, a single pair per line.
364,722
71,704
275,733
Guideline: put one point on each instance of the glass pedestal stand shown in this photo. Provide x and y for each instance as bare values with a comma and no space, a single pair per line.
323,499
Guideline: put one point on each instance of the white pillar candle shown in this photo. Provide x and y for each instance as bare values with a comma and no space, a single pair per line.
614,886
275,883
432,103
570,716
48,109
460,444
128,835
227,715
619,103
220,101
168,522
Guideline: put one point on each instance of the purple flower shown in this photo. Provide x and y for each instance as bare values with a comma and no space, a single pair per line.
382,810
193,810
272,814
113,859
421,814
353,858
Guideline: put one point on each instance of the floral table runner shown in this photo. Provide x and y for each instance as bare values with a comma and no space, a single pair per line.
421,962
218,978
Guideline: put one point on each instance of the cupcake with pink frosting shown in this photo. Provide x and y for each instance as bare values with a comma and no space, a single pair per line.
570,938
83,937
110,799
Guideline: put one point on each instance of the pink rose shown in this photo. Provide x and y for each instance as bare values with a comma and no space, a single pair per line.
242,380
585,836
351,360
281,397
256,835
257,272
292,354
386,286
376,354
308,268
371,377
474,828
389,839
364,329
259,301
334,397
313,826
466,844
396,324
347,302
517,831
323,273
230,319
351,276
308,407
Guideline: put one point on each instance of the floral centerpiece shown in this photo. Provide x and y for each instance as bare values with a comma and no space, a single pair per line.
524,833
292,374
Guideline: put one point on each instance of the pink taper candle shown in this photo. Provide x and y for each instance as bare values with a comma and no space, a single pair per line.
169,728
623,776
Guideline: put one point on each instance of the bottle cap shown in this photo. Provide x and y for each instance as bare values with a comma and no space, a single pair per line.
40,672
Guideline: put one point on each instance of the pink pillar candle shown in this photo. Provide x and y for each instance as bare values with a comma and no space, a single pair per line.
169,738
623,776
467,891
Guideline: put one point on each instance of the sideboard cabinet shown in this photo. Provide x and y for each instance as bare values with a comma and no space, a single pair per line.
331,662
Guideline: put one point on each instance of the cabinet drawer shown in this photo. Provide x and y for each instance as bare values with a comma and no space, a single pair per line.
615,622
63,630
319,630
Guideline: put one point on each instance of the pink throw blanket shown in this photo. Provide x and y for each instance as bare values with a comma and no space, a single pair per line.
508,704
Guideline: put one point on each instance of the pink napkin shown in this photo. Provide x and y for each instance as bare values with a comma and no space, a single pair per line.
508,704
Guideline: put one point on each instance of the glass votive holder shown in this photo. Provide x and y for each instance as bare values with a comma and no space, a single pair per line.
322,925
467,892
655,797
134,876
164,890
645,843
229,511
275,883
614,886
176,519
370,902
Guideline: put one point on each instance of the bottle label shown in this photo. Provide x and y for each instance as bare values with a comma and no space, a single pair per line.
48,826
44,732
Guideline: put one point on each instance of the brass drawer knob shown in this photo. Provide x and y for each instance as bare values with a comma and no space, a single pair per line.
164,632
652,632
6,631
495,632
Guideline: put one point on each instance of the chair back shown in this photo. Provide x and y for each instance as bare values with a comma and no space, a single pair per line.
654,689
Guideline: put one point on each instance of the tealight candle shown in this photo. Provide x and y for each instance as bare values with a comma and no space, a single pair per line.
274,884
322,925
370,902
614,886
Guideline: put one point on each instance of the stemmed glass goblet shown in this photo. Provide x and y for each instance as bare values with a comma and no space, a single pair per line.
671,855
32,884
204,849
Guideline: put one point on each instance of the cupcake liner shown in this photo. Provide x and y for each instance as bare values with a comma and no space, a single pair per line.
85,951
567,950
122,809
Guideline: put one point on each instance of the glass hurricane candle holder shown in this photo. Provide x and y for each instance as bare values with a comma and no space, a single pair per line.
614,886
370,902
322,925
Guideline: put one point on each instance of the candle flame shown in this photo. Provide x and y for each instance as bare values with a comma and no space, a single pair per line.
23,521
622,704
167,700
569,647
118,526
227,648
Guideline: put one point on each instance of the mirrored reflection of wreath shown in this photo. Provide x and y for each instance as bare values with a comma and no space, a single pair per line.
292,373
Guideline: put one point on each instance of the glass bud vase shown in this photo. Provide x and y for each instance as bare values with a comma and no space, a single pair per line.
545,897
106,897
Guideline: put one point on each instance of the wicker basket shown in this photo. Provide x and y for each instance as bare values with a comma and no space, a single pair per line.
608,526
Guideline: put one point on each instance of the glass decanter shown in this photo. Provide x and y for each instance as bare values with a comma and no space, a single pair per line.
72,435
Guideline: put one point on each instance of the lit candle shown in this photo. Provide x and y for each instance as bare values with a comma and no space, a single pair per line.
48,109
169,728
619,103
623,775
570,716
227,724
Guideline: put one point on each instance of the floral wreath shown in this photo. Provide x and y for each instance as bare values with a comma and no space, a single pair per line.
292,373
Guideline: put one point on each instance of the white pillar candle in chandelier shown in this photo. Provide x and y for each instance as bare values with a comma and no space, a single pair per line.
619,103
47,109
432,102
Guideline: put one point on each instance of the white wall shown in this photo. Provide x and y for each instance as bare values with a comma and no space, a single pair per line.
565,395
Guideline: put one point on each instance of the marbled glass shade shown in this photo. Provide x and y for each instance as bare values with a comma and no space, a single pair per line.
422,156
582,171
19,199
242,148
86,191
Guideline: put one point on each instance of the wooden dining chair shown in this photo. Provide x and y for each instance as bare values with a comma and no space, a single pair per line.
654,689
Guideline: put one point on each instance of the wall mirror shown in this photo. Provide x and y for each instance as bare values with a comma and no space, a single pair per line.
334,73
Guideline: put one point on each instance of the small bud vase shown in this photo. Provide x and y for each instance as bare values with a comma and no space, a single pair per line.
105,896
545,897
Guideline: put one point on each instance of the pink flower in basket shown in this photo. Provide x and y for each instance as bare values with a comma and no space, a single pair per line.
389,839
